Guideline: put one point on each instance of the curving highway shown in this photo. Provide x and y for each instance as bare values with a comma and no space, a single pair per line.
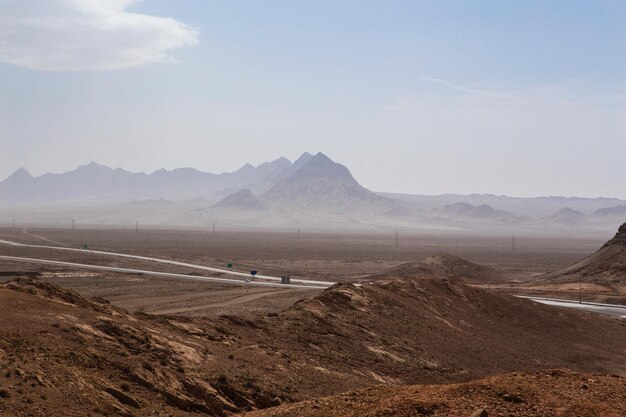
297,283
606,309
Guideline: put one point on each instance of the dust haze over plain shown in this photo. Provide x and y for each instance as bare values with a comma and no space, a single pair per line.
516,99
291,208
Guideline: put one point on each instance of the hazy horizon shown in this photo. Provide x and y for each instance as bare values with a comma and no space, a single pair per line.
291,161
520,98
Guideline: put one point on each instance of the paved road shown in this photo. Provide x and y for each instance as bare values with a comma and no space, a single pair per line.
166,261
606,309
159,274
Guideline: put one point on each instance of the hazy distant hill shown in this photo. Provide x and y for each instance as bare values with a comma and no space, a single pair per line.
16,187
483,212
313,191
243,199
616,212
566,216
537,207
94,182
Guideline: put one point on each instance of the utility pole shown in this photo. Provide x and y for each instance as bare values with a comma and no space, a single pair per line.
513,244
489,279
72,224
14,223
136,226
213,228
397,240
298,234
580,290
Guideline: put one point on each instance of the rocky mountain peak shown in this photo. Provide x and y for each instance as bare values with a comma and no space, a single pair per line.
301,161
321,166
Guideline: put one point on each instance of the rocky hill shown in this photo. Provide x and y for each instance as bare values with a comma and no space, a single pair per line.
607,265
71,356
66,355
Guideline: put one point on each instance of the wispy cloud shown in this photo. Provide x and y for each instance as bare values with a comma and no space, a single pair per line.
455,86
87,35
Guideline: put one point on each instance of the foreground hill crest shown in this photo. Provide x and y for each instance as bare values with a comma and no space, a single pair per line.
392,331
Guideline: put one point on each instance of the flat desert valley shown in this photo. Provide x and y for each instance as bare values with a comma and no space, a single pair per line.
371,324
333,257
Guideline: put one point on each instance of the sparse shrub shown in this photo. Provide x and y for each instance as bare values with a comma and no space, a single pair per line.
29,400
7,374
125,386
4,393
43,396
231,356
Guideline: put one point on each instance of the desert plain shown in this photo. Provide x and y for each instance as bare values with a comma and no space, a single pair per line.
398,310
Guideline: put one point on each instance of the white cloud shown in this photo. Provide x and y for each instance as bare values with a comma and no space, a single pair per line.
91,35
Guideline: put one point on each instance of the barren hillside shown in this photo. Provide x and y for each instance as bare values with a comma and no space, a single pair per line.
64,355
607,265
552,393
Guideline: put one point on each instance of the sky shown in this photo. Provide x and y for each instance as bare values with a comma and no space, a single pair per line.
524,98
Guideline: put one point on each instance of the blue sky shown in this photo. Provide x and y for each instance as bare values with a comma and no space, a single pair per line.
506,97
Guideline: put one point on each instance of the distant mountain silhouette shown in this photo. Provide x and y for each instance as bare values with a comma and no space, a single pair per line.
323,185
313,190
94,182
311,183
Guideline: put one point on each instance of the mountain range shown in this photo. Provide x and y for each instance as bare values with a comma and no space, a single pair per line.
313,190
